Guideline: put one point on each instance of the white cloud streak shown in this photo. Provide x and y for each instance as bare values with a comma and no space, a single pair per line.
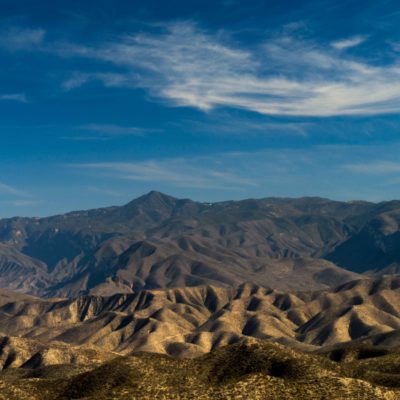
17,38
187,66
25,203
112,129
317,171
19,97
184,65
176,172
226,123
10,190
377,167
349,42
108,79
93,132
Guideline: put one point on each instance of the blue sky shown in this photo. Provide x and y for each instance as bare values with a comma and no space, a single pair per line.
102,101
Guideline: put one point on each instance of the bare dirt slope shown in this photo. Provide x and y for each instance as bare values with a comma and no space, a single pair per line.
192,321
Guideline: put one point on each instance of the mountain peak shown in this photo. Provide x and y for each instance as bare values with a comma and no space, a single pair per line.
153,198
155,204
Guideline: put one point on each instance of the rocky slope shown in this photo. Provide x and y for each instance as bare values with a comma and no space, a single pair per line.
191,321
338,343
250,369
158,241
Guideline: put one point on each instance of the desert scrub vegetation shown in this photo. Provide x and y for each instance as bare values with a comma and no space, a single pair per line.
246,370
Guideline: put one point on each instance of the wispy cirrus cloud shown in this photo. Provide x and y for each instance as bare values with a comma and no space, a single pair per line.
16,197
349,42
78,79
184,65
232,124
25,203
112,129
20,97
18,38
376,167
187,66
11,190
177,172
94,131
320,170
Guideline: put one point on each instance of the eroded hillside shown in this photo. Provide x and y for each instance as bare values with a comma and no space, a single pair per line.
191,321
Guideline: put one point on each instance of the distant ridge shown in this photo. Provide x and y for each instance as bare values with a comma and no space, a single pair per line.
159,241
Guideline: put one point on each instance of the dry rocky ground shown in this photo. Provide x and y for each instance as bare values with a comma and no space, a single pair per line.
247,370
247,342
188,322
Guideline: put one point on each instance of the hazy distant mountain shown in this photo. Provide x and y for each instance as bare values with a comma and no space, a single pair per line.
159,241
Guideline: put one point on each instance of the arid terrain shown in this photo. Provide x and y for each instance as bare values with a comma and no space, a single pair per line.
167,298
200,200
212,343
250,369
187,322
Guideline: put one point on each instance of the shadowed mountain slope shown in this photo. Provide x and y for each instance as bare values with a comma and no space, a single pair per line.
158,241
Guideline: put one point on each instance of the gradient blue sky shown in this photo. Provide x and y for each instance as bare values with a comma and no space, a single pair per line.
102,101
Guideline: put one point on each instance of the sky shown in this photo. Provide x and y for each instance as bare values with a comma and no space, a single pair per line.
102,101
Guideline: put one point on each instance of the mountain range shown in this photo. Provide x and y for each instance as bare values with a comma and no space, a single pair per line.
158,241
172,298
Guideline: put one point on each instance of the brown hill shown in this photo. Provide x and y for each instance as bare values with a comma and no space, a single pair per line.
250,369
16,352
192,321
